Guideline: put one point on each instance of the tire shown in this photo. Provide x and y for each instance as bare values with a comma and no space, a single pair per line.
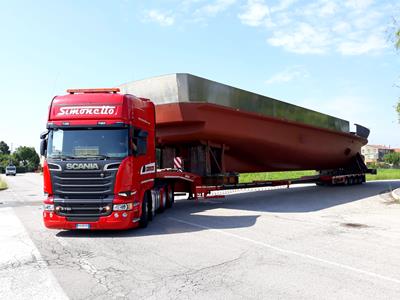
151,212
163,200
350,181
170,196
144,217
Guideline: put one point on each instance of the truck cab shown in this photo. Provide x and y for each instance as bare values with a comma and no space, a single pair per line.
11,170
99,169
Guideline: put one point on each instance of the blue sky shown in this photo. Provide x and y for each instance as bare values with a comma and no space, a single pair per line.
332,56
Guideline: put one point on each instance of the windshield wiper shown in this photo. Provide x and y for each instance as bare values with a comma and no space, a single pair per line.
100,156
62,156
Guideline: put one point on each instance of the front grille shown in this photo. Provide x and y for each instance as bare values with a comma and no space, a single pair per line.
83,195
82,219
83,209
70,183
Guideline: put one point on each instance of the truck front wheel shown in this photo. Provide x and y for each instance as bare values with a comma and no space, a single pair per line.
144,217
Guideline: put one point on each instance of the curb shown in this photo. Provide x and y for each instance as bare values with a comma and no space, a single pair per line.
396,194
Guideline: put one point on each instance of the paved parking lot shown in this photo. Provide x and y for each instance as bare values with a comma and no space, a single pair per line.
302,242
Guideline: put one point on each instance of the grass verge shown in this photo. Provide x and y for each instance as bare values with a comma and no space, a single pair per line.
249,177
385,174
3,184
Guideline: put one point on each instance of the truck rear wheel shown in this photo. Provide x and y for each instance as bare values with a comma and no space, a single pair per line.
144,217
170,196
163,199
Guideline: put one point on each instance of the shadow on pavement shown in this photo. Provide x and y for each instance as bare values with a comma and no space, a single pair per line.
185,216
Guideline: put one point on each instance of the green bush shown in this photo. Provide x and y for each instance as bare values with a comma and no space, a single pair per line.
3,185
24,158
379,165
392,158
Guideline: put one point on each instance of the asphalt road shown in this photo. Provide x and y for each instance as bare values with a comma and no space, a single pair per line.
305,242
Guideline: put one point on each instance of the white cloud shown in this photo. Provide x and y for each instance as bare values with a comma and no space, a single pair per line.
358,4
282,5
304,39
341,27
163,19
288,74
352,27
328,8
214,8
372,43
254,13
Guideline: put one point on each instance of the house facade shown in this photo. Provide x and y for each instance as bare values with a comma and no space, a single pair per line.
375,153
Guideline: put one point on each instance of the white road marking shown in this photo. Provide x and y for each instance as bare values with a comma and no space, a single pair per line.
291,252
23,272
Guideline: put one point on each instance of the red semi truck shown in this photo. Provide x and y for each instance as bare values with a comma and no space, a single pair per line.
109,163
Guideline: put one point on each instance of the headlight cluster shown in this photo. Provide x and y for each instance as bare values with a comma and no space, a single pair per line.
48,207
125,206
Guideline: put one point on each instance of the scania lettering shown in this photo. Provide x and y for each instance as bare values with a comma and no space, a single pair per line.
114,160
82,166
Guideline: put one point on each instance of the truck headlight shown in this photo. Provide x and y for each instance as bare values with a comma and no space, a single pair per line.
125,206
48,207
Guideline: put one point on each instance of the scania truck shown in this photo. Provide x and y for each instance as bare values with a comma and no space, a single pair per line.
111,163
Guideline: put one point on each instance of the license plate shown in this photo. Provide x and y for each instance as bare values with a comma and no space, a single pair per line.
82,226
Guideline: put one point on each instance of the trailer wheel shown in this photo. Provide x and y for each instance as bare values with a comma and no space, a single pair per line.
144,217
170,196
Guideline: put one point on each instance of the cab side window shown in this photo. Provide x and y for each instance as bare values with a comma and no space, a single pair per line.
139,141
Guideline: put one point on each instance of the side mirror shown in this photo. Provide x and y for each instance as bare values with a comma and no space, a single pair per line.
43,147
43,135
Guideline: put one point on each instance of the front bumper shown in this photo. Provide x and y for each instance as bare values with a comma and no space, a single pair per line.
115,221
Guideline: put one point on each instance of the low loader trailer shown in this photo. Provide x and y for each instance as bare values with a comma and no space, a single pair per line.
114,160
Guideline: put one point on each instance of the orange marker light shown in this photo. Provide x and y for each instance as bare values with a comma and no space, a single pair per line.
100,90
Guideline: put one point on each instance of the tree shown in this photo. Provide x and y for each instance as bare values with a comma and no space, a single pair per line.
4,149
6,159
392,158
398,109
27,157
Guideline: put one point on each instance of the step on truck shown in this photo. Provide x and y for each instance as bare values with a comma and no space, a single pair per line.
114,160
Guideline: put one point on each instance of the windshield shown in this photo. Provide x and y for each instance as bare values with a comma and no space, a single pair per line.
78,143
11,168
